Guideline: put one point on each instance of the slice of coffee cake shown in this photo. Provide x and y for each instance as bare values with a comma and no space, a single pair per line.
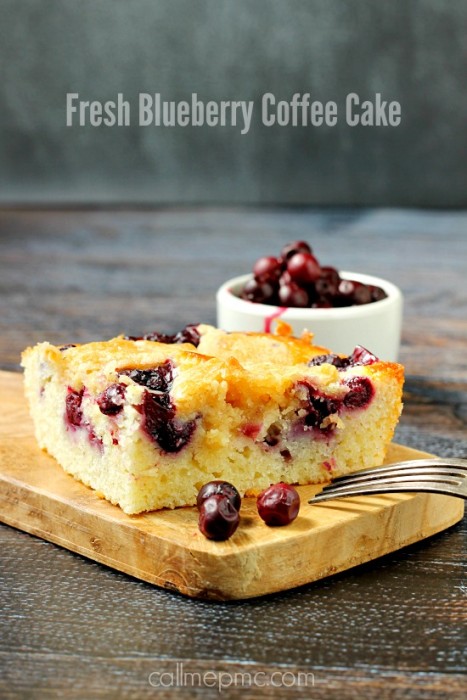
146,423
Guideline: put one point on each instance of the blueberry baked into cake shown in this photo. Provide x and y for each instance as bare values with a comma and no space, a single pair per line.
147,421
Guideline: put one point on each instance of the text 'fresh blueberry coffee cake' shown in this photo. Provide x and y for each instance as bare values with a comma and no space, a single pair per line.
147,421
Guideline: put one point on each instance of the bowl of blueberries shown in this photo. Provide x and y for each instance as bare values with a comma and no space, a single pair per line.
342,309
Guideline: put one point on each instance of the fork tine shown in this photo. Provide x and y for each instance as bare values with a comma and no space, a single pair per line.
398,479
388,472
447,476
369,489
412,463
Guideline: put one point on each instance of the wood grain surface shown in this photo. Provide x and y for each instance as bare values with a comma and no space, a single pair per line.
394,628
166,547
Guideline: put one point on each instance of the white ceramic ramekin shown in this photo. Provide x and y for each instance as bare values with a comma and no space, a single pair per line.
376,326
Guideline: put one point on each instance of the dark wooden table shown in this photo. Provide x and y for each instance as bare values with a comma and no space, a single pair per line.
394,628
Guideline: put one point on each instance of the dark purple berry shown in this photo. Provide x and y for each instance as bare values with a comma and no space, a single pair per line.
279,504
258,291
155,336
218,519
360,392
293,295
303,268
328,283
295,247
377,293
315,412
73,400
224,488
74,415
285,278
345,293
189,334
156,379
111,400
319,408
322,304
362,356
158,409
332,359
267,268
160,423
361,295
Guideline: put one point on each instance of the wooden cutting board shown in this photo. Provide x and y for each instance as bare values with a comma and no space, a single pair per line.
166,548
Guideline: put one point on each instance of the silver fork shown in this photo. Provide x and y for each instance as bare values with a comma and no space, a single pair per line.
446,476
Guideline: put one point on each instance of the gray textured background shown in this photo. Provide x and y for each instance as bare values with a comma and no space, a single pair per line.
411,51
